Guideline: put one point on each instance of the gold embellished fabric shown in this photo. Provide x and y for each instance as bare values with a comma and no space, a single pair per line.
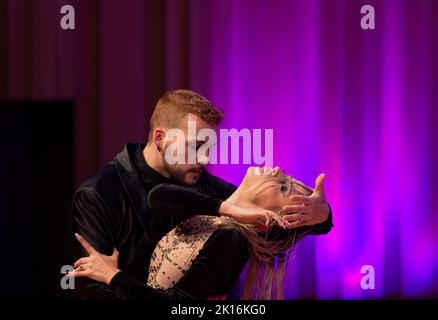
176,251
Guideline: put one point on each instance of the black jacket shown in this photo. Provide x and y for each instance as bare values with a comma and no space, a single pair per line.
110,210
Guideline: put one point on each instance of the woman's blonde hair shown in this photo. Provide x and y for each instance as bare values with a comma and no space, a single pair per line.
269,255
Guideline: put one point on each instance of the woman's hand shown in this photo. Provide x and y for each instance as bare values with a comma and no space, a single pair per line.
96,266
260,217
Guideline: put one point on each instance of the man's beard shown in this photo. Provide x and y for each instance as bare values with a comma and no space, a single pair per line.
178,174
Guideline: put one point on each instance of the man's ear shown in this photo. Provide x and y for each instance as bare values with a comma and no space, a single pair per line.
158,138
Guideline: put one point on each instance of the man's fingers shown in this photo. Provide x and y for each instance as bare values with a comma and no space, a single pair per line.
319,183
85,244
300,199
81,261
294,209
78,273
294,217
267,220
261,225
295,224
280,220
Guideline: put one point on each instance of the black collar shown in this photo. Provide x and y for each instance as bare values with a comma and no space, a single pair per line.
149,176
131,181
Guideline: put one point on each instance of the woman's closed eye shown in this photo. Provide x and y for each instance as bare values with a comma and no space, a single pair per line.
285,188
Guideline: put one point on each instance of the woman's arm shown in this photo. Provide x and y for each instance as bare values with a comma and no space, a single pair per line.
214,270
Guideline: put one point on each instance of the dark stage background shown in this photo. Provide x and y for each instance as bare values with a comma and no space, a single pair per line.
37,183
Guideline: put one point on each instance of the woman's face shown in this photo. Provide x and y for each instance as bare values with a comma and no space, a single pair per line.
272,189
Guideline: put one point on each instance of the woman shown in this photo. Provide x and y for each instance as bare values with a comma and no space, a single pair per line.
269,245
270,189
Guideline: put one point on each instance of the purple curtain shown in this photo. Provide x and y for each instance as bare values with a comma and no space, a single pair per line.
359,105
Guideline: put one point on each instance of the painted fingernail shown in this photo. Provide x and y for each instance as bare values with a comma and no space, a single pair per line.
77,235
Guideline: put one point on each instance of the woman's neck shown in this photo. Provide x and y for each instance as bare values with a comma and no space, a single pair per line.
249,190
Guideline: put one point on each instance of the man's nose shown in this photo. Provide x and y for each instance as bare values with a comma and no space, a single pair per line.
202,160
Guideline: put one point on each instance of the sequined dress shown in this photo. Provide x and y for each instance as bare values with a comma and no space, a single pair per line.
176,251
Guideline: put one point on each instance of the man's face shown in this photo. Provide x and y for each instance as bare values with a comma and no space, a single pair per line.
188,174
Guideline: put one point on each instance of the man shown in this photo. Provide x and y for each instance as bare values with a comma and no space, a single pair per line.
111,209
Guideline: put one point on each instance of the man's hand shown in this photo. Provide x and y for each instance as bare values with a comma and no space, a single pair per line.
251,215
308,210
96,266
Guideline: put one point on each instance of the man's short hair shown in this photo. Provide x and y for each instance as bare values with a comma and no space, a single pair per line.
175,105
